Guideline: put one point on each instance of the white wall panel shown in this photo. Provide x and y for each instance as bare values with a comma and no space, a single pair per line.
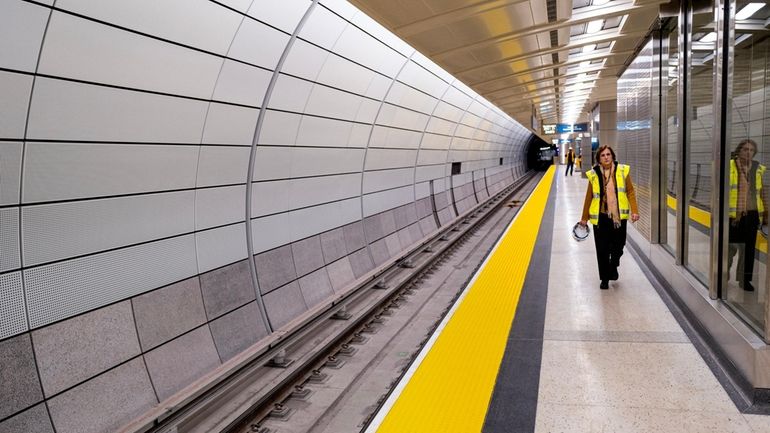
429,157
221,246
89,51
284,14
380,180
390,137
312,162
367,111
318,219
242,84
63,110
377,159
258,44
279,127
342,8
421,190
323,28
457,98
62,230
10,172
398,117
359,136
305,60
64,289
440,126
418,77
405,96
379,32
221,165
448,112
431,141
13,314
219,206
319,131
428,64
290,94
325,101
344,74
170,19
15,90
378,87
9,239
384,200
22,26
58,171
270,232
364,49
272,162
270,197
311,191
229,124
430,172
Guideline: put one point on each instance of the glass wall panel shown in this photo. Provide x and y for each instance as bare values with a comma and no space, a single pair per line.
747,285
699,148
669,176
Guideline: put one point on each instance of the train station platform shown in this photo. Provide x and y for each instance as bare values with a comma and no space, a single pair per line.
533,344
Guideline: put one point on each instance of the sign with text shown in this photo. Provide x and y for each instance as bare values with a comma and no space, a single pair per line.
564,128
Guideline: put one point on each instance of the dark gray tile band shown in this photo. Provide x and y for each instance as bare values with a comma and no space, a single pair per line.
513,405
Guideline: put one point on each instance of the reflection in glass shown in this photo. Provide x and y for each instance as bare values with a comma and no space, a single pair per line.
746,289
699,150
670,181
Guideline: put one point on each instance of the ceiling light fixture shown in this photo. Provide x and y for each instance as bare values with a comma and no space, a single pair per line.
594,26
588,48
599,2
710,37
749,10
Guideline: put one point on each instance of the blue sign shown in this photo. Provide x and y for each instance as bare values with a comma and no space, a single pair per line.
565,128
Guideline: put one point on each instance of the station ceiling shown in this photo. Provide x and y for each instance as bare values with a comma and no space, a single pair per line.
556,57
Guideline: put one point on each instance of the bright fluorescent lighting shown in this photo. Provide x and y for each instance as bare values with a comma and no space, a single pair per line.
710,37
588,48
594,26
749,10
585,64
599,2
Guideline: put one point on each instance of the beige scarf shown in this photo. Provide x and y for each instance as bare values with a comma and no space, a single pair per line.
611,196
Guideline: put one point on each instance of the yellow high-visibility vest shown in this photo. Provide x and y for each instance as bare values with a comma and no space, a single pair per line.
734,188
621,172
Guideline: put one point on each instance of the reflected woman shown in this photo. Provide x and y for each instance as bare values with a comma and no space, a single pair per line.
747,204
610,201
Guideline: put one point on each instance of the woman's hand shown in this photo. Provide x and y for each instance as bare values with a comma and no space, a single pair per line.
634,217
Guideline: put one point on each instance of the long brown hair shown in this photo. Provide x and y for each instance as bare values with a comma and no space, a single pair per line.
601,149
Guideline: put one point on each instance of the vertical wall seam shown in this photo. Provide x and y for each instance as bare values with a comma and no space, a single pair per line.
252,161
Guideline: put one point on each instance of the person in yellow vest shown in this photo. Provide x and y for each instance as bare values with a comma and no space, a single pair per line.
610,201
747,205
578,162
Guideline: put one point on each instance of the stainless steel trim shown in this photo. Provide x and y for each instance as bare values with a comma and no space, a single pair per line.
683,91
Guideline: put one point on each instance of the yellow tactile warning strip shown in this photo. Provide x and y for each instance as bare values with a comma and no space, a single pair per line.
451,386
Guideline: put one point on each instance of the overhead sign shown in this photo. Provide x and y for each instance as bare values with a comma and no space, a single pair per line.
564,128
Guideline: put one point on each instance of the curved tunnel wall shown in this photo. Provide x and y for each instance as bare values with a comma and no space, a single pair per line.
129,212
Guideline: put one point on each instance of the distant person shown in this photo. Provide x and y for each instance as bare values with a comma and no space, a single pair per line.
579,162
747,204
570,161
610,201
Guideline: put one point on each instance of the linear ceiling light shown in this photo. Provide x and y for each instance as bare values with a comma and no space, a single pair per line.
710,37
599,2
588,48
594,26
749,10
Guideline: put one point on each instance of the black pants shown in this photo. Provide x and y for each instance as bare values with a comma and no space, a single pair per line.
743,240
570,165
609,246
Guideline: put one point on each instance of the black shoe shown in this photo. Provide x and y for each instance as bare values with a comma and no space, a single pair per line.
614,275
747,287
604,285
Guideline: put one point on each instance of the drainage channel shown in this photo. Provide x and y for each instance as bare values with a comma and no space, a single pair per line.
332,374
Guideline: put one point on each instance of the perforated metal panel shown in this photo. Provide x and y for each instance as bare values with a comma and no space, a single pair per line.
13,318
634,115
9,239
64,289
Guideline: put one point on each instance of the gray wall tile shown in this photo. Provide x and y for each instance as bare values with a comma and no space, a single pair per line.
415,232
405,237
380,252
18,376
333,245
227,288
315,287
77,349
106,402
373,228
424,207
284,304
388,222
354,236
275,268
340,273
308,255
394,245
166,313
31,420
411,213
179,362
361,262
428,225
399,214
236,331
